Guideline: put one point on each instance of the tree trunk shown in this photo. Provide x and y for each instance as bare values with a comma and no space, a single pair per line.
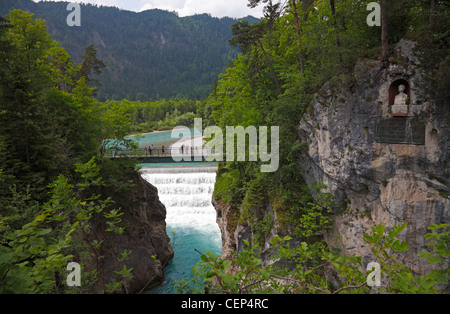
297,26
432,14
338,44
277,84
384,32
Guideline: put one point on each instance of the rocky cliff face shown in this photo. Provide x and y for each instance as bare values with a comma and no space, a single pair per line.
376,165
381,169
145,236
224,218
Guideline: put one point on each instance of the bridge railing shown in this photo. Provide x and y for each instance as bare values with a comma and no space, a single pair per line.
139,152
159,152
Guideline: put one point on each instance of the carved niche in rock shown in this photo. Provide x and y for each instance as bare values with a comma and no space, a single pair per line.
399,98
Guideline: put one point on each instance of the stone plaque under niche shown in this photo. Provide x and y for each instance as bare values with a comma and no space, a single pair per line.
400,130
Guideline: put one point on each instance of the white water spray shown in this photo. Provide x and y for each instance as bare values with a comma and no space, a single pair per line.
186,192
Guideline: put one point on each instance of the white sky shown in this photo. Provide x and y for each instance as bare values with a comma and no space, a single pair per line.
217,8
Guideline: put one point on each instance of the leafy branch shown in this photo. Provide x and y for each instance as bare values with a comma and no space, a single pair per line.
246,272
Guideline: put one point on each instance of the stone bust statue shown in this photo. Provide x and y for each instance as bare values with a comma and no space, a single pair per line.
400,106
401,98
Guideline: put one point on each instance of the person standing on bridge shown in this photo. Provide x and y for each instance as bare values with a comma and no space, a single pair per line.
151,149
145,148
162,150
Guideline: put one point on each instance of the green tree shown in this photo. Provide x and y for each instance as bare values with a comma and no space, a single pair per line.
91,66
246,36
33,258
23,81
28,153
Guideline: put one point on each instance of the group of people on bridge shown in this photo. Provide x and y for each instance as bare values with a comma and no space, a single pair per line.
152,151
149,150
183,150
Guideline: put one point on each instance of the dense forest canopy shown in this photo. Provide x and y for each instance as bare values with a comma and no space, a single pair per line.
148,55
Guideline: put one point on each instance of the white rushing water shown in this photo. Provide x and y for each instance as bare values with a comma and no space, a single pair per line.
186,192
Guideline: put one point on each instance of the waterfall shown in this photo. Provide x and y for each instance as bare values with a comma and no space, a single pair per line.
186,192
191,218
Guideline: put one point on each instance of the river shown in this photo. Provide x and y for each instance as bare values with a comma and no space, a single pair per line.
186,189
186,192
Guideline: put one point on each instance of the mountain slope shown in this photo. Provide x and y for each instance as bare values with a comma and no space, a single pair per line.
149,55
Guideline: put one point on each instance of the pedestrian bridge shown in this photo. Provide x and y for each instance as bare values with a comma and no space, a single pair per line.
167,155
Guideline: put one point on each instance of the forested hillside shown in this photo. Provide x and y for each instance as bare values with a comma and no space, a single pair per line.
149,55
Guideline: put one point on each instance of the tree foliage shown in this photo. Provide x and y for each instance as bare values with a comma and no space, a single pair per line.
311,267
121,118
33,258
52,187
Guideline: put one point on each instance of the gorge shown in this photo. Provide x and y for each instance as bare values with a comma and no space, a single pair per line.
380,167
360,146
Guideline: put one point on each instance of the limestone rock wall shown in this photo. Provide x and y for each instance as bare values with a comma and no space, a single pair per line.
224,218
379,182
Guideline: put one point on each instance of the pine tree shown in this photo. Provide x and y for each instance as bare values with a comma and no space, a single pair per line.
91,66
247,36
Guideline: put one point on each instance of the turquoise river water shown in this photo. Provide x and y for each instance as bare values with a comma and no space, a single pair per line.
185,188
